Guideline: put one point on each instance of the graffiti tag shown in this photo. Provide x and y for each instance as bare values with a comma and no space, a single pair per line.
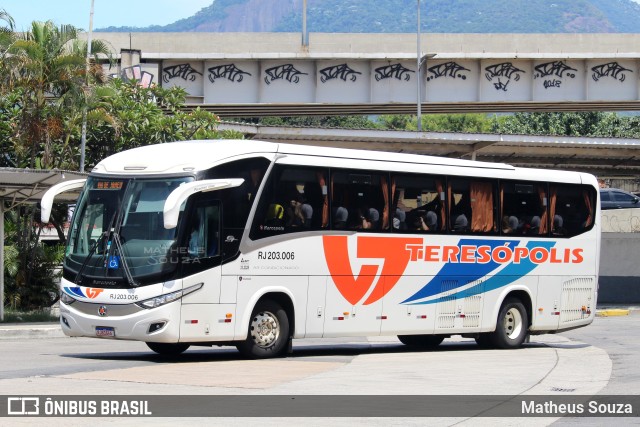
283,72
500,72
342,71
611,69
396,71
227,71
554,68
183,71
448,69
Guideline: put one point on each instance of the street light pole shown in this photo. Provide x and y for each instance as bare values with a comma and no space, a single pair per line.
83,140
418,74
305,35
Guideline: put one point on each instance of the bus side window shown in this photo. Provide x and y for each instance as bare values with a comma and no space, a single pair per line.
472,206
523,208
418,203
294,199
360,200
571,209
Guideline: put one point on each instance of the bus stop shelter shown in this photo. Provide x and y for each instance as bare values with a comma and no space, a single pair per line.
27,186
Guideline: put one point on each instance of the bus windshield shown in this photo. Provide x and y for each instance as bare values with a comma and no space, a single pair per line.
117,232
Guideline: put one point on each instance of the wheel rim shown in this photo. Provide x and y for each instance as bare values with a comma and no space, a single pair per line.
265,329
513,323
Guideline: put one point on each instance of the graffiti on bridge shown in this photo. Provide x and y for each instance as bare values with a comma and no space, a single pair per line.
283,72
500,72
342,71
553,69
227,71
610,69
621,221
448,69
182,71
397,71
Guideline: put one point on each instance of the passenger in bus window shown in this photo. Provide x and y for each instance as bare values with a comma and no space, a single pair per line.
460,223
295,216
369,218
534,225
195,248
431,220
424,222
418,224
460,213
399,218
558,228
340,216
510,224
307,213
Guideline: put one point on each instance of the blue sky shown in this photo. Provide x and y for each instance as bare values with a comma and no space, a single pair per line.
138,13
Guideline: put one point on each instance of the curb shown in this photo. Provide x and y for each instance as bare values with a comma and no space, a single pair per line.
30,332
612,312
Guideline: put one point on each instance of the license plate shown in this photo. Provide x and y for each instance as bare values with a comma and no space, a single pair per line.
104,331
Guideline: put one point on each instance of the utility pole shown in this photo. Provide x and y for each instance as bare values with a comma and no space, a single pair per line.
305,35
418,74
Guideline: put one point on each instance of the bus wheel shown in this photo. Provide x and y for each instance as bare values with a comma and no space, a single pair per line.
425,341
512,325
268,332
167,349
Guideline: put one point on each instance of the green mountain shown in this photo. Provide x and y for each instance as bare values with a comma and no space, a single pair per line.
399,16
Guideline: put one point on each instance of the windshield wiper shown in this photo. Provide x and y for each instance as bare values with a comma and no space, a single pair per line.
93,248
125,265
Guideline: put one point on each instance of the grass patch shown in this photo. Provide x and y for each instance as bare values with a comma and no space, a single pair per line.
44,315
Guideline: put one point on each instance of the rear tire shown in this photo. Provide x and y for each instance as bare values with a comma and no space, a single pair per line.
168,349
512,325
424,341
268,332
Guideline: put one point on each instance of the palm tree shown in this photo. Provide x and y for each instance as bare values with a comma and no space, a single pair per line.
7,37
49,68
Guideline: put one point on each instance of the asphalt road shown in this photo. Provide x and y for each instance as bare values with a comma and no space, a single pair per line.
599,359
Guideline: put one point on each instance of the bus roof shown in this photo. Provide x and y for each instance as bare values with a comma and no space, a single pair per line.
190,156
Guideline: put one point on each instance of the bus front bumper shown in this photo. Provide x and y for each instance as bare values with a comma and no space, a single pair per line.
121,321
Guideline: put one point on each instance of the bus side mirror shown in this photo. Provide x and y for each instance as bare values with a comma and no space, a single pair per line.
178,196
46,203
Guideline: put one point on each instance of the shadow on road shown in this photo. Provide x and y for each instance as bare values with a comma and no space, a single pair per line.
301,351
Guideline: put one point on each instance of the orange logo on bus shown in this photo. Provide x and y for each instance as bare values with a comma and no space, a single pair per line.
353,288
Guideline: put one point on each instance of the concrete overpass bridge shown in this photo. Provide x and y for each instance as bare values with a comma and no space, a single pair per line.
257,74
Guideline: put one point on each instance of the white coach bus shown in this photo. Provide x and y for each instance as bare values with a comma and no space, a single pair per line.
253,244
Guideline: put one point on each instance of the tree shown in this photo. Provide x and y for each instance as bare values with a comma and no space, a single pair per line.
124,115
48,71
344,122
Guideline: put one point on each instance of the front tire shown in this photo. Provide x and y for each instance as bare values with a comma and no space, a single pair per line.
424,341
512,325
268,332
168,349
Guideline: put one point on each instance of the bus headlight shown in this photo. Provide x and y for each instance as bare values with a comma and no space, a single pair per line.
66,298
167,298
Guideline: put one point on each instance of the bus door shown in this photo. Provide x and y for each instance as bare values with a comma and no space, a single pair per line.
201,260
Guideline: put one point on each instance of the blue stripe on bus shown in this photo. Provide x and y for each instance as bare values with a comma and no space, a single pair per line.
506,276
462,273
